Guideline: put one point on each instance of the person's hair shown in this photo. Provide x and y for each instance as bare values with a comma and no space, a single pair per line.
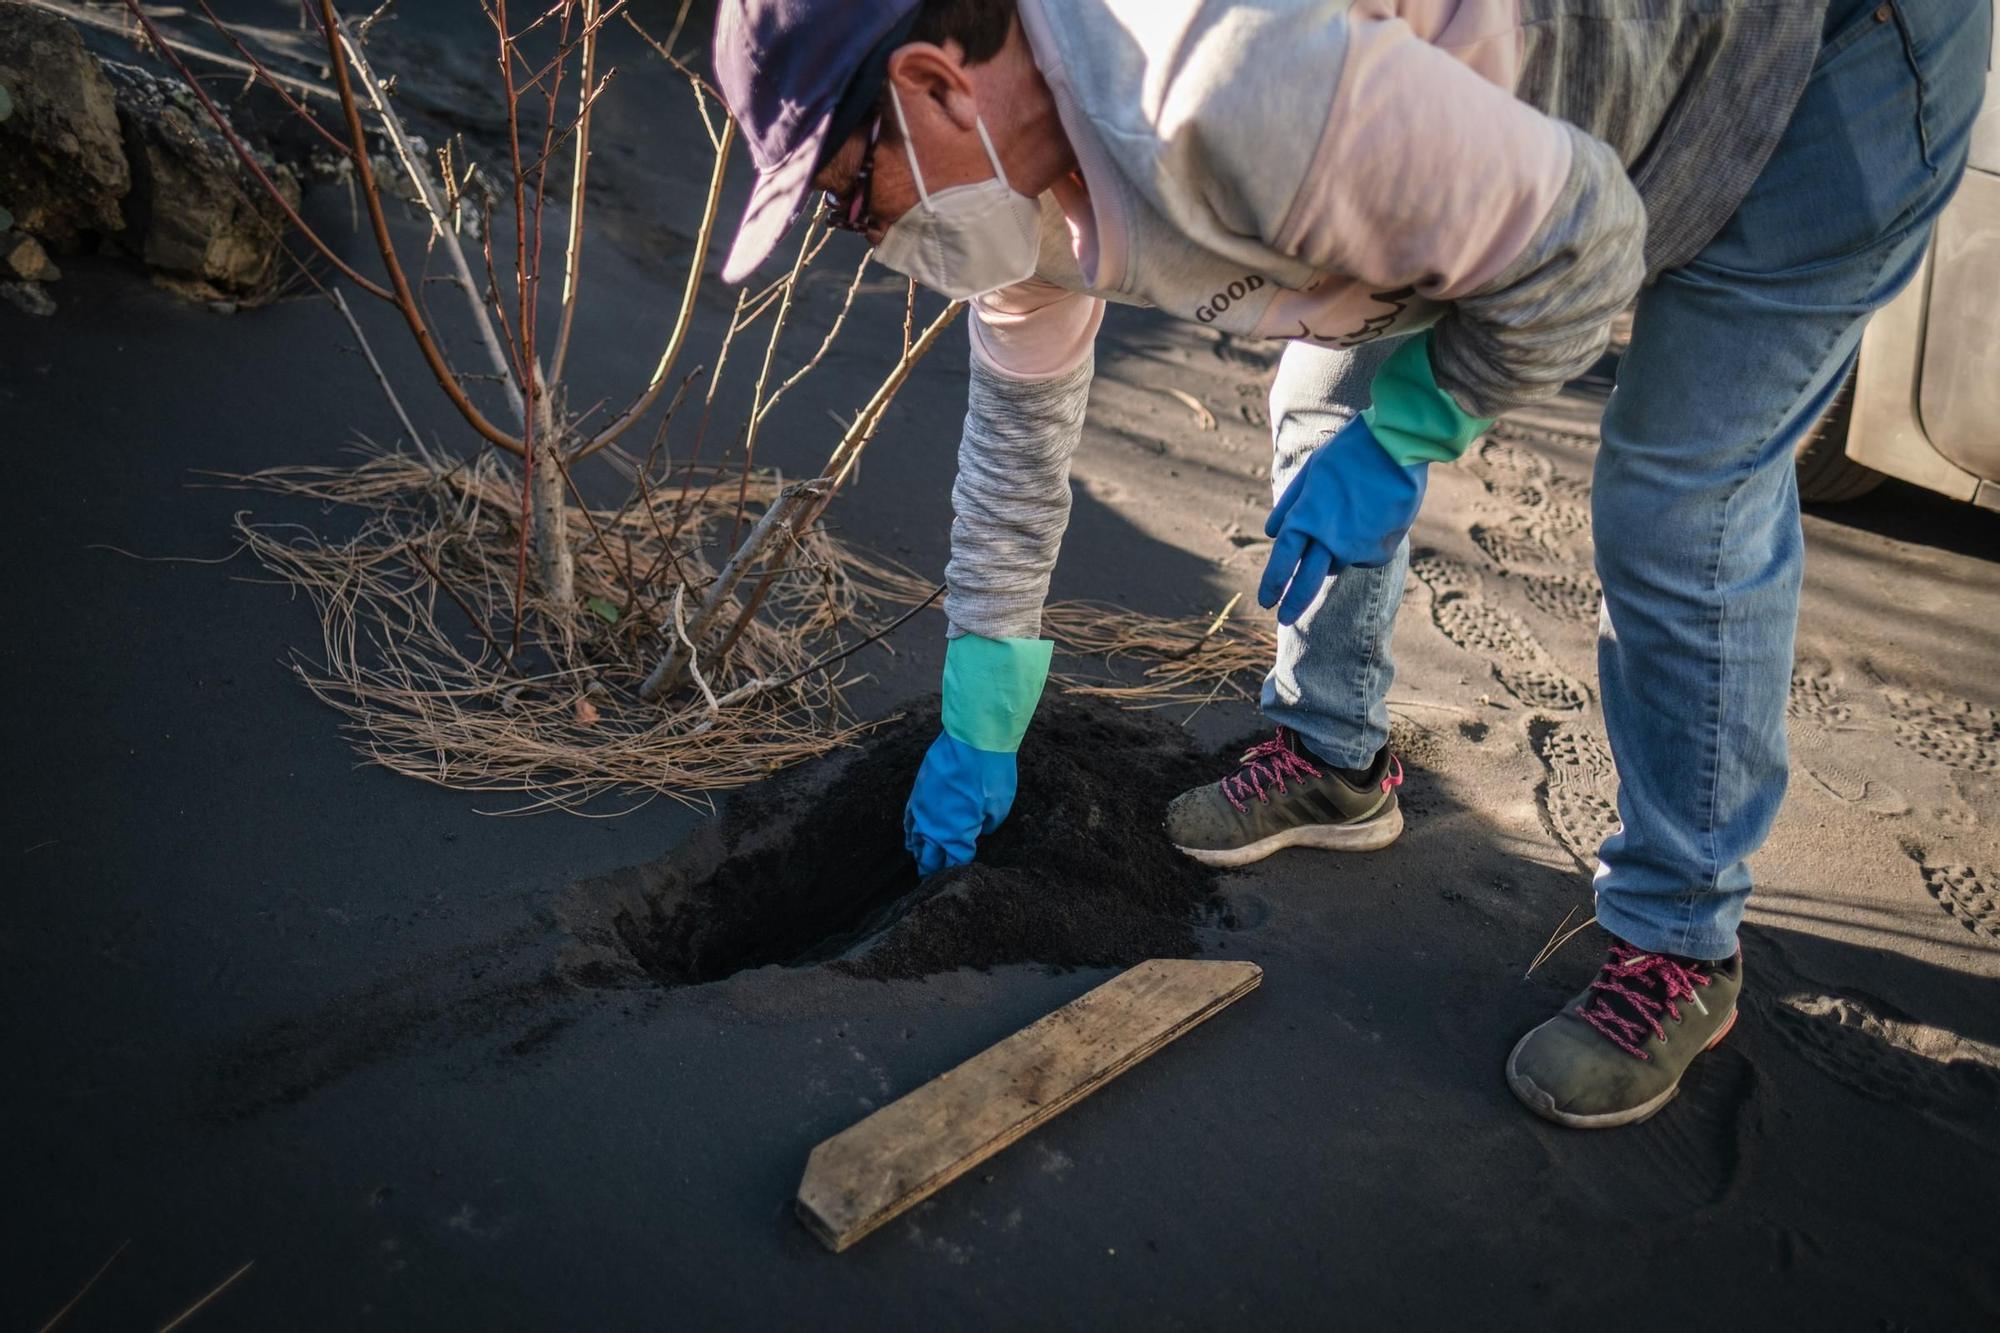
979,26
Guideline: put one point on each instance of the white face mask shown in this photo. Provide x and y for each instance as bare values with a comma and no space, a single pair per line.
966,240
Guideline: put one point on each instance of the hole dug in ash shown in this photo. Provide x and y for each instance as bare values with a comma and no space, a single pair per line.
810,868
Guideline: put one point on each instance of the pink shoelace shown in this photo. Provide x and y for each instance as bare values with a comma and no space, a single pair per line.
1271,762
1267,763
1648,984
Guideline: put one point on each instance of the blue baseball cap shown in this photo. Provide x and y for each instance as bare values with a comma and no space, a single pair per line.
798,76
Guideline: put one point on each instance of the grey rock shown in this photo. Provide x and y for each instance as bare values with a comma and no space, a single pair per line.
196,215
27,297
62,160
23,256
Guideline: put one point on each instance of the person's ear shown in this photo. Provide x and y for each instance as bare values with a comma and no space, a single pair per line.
928,76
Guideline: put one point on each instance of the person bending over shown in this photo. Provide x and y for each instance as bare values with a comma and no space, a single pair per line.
1439,206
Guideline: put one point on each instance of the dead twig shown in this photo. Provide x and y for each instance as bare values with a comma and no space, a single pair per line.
1554,944
192,1310
381,377
83,1291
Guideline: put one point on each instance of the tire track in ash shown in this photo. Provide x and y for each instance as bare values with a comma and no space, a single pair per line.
1517,659
1815,710
1579,792
1968,894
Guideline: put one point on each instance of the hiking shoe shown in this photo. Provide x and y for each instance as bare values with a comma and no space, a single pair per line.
1282,796
1616,1053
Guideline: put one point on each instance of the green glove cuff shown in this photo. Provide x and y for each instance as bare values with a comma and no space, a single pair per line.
1413,419
991,687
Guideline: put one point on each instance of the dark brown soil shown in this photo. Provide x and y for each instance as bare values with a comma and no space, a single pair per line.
811,868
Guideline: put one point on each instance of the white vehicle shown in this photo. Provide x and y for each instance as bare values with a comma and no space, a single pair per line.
1924,402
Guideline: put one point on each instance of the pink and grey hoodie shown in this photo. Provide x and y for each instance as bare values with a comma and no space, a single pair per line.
1503,172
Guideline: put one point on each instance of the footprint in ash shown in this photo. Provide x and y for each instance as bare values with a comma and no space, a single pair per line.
1691,1154
1543,507
1517,659
1579,796
1572,597
1859,1043
1955,732
1816,711
1513,544
1968,894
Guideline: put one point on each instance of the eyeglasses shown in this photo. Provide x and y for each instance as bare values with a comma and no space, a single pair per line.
850,211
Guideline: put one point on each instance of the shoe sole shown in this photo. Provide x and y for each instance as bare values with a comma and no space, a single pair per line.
1543,1105
1368,835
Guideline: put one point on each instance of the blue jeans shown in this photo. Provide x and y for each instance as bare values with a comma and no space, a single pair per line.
1695,506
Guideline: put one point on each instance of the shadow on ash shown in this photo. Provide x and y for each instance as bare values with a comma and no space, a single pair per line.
809,869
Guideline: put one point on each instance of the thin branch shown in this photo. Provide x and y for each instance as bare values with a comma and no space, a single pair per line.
667,673
105,23
220,1287
404,299
684,320
102,1268
573,252
848,451
381,377
763,378
701,426
420,180
674,60
297,108
596,532
831,333
249,159
528,366
841,462
762,685
845,653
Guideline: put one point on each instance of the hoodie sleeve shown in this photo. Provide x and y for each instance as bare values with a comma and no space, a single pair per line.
1427,175
1032,361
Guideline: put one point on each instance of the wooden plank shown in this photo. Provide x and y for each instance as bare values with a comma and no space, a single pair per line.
914,1147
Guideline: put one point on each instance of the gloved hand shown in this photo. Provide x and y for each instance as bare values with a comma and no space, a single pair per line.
965,786
1352,503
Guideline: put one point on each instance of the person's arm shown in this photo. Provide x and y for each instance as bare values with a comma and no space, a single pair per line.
1423,175
1031,368
1427,177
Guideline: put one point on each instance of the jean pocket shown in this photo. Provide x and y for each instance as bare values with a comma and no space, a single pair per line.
1864,20
1872,60
1946,44
1896,10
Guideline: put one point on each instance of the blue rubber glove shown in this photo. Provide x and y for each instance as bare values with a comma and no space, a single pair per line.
965,786
1350,504
1353,501
961,795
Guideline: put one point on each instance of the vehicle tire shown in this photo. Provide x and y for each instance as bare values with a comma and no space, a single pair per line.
1826,474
